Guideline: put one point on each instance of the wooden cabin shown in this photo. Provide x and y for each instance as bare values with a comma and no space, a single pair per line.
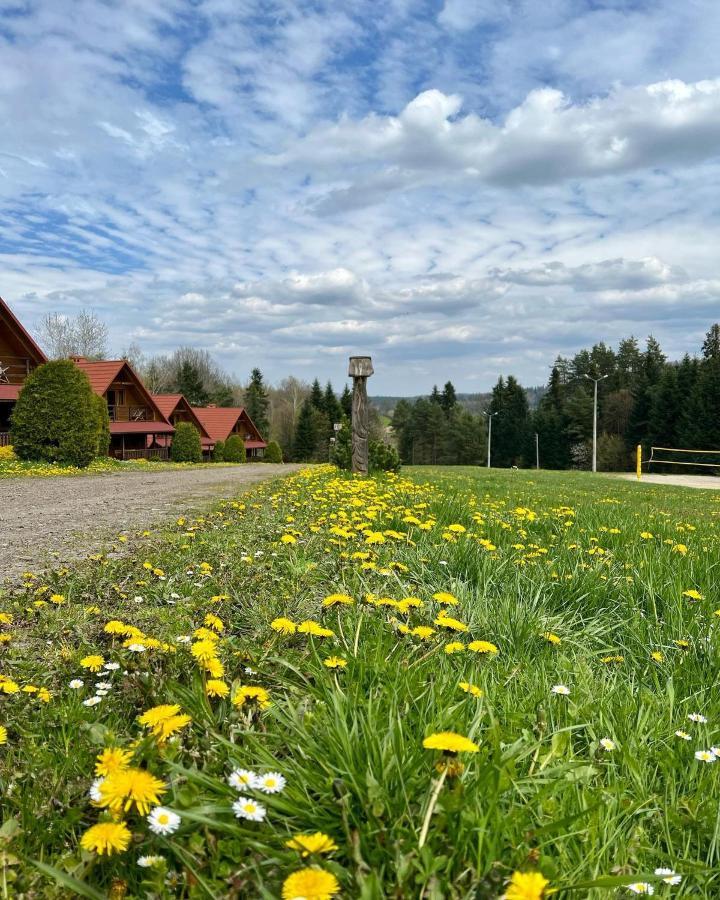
176,408
19,355
222,421
138,428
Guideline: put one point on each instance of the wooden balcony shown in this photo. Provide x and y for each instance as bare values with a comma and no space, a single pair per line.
4,438
162,453
130,414
14,369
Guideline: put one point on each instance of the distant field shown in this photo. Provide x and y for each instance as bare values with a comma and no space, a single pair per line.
297,647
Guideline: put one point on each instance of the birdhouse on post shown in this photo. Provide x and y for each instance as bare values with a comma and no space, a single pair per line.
360,369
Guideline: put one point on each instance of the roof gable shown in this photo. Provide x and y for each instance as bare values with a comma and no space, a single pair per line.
102,373
10,323
169,403
219,421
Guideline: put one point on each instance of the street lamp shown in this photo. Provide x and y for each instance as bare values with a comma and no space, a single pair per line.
595,380
489,418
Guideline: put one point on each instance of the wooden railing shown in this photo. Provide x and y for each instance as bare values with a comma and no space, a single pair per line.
14,369
129,414
155,453
4,438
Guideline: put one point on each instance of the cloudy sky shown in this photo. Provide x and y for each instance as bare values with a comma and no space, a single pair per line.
457,187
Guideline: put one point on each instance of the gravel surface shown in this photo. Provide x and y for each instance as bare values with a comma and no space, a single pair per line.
47,521
708,482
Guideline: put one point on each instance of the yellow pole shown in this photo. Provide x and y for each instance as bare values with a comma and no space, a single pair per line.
639,462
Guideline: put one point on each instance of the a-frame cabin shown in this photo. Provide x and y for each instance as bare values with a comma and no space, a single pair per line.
19,355
222,421
176,409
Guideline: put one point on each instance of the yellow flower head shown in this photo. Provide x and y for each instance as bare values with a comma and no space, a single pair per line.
551,637
472,689
252,694
312,843
335,599
212,621
130,787
450,742
314,628
283,625
335,662
445,621
3,734
692,594
204,650
526,886
445,598
424,632
310,884
112,759
454,647
482,647
157,714
214,687
106,837
93,662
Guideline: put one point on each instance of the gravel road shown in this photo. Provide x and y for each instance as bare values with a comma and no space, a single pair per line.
47,521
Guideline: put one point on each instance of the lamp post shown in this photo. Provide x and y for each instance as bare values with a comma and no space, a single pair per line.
489,418
537,450
595,381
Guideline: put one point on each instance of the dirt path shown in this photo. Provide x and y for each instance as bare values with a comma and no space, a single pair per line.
708,482
45,521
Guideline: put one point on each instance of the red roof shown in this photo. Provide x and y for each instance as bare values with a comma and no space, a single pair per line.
10,391
141,428
6,313
255,445
102,374
219,421
168,403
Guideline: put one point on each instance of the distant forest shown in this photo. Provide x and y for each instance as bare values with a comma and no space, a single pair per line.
473,403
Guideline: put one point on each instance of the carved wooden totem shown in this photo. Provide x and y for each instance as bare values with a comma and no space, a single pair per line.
360,370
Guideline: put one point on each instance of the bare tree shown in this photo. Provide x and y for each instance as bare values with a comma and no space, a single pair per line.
82,335
285,402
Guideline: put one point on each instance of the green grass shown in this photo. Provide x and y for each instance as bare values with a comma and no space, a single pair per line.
16,468
539,553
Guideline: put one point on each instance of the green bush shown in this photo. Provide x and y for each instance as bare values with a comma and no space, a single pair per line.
218,453
186,445
383,457
56,417
234,449
273,453
103,425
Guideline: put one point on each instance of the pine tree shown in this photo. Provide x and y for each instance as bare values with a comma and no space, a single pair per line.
448,398
711,344
306,436
331,405
257,403
317,398
190,384
435,396
346,402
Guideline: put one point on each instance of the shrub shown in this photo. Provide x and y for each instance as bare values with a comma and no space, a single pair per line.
56,417
273,453
383,457
102,424
186,445
234,449
7,452
612,454
218,453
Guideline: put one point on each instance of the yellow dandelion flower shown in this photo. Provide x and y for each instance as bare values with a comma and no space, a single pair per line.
130,787
454,647
283,625
472,689
214,668
288,539
424,632
450,742
551,637
657,656
94,662
158,714
212,621
112,759
215,687
310,884
315,628
312,843
445,598
204,650
106,837
115,626
453,624
252,694
692,594
335,599
526,886
3,734
482,647
335,662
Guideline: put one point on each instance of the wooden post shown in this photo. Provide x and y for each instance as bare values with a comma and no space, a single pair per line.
360,369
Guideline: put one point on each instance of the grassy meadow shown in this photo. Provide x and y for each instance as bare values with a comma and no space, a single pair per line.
446,684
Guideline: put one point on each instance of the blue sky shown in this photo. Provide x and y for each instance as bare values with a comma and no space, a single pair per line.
457,188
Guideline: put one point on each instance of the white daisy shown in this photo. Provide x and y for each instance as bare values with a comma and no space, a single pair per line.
246,808
92,701
683,735
697,717
242,779
76,684
147,861
715,751
272,783
111,666
163,821
641,887
183,639
669,876
607,744
103,686
94,792
101,693
705,756
137,648
560,689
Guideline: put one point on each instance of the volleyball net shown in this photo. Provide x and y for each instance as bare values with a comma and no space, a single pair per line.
679,456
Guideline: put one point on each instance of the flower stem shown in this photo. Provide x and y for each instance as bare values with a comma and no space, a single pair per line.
431,809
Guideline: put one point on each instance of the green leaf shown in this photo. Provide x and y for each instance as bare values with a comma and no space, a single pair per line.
67,881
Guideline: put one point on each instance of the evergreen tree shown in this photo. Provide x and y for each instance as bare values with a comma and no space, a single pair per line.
711,344
511,432
257,403
331,406
306,436
190,384
317,398
448,398
435,396
346,402
186,445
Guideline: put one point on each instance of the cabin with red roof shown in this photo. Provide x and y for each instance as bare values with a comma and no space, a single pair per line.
138,428
176,408
19,355
222,421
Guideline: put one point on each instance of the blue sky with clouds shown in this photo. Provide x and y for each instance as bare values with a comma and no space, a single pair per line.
458,187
